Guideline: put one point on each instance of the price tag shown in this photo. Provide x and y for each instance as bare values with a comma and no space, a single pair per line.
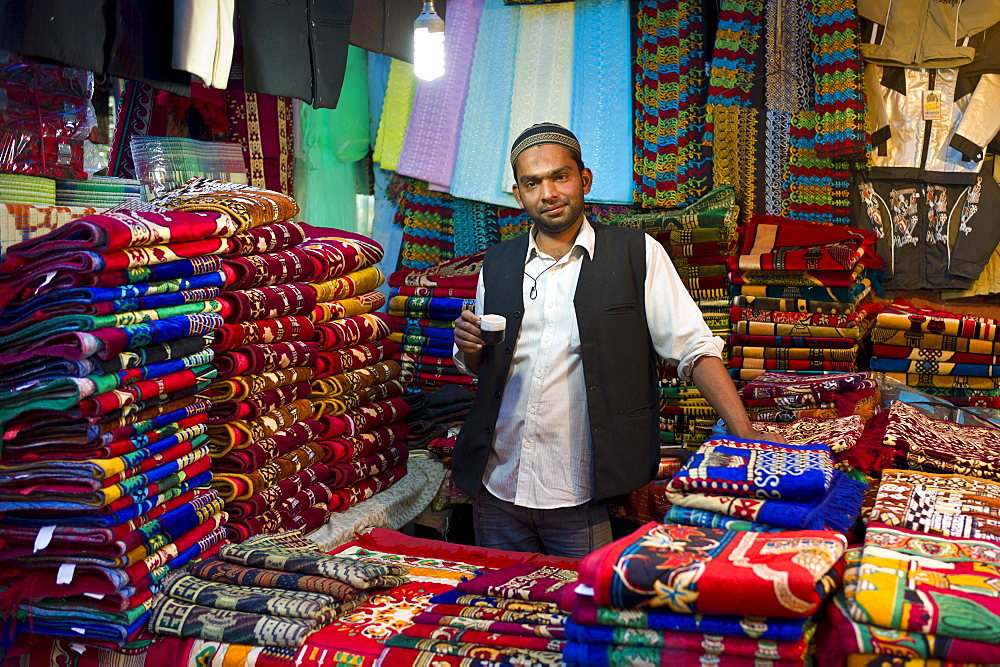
931,107
43,538
65,573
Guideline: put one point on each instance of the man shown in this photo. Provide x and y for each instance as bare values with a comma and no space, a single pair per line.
566,413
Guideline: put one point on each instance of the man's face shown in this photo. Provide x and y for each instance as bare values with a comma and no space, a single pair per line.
550,187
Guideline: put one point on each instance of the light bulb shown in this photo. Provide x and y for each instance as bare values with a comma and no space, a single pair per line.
428,44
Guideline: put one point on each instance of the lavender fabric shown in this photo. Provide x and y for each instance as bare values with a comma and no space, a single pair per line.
483,150
431,143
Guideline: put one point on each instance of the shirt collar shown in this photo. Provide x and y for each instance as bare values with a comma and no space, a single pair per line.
584,240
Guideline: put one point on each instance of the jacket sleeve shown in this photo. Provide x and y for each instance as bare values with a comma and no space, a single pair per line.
974,16
980,122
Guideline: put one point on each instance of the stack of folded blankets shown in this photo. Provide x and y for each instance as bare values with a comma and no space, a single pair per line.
509,615
700,239
97,191
299,344
106,326
923,585
784,397
271,590
24,189
945,354
797,294
670,594
423,307
740,484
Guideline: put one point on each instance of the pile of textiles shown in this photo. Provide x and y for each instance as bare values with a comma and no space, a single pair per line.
670,594
944,354
301,423
96,191
45,116
747,485
905,436
23,189
106,325
426,219
509,615
271,590
423,306
923,585
700,239
798,291
784,397
434,421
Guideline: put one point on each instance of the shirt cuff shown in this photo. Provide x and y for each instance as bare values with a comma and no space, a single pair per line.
705,347
459,358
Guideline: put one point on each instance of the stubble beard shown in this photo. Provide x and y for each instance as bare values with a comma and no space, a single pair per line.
569,217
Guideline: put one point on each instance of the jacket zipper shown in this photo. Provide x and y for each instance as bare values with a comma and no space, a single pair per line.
928,124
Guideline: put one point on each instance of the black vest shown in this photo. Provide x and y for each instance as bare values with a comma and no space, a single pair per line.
618,361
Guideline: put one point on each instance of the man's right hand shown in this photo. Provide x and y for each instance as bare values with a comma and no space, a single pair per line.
467,333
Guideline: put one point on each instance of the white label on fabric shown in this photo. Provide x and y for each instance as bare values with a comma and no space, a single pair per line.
584,589
48,278
79,648
43,538
96,596
80,631
65,573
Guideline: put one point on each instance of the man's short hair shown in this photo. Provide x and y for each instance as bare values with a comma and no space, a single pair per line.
546,133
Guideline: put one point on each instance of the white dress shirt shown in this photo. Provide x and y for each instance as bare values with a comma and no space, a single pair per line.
542,446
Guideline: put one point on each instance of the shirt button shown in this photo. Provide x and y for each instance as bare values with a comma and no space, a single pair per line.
546,339
507,351
489,430
538,374
517,313
496,395
550,305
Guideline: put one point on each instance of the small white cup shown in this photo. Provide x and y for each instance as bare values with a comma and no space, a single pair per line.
492,328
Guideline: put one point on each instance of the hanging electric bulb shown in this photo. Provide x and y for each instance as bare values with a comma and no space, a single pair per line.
428,44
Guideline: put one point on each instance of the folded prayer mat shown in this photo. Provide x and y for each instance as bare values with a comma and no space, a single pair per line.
705,519
271,237
791,364
943,444
849,293
849,355
933,341
613,655
931,367
811,331
810,342
289,551
250,206
522,581
822,306
842,635
217,570
945,381
750,314
482,638
925,502
494,627
773,243
268,601
935,585
696,570
753,469
182,619
706,643
927,320
480,652
842,278
774,385
838,510
839,434
928,354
